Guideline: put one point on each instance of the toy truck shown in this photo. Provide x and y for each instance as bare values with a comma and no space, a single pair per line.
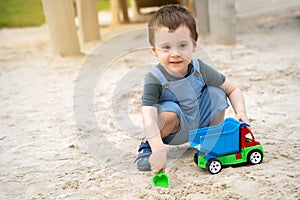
231,142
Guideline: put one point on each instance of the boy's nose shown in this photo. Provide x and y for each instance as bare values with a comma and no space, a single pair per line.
175,53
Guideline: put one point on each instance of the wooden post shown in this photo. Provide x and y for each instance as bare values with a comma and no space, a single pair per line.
124,9
88,20
134,8
222,20
115,7
201,9
60,19
190,6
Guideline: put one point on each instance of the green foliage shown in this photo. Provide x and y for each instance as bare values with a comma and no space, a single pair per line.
103,5
21,13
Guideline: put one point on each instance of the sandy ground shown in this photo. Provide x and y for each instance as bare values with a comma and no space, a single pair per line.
46,153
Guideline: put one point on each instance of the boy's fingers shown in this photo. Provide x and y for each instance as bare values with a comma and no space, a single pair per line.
158,160
155,171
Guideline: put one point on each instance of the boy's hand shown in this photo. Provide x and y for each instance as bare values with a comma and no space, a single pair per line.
242,117
158,160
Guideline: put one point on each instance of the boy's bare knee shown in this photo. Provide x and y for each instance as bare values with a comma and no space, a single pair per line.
168,123
218,118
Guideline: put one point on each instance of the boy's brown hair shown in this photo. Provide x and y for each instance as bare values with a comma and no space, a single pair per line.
172,16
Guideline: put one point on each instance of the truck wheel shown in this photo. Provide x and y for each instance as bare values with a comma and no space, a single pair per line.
196,158
214,166
254,157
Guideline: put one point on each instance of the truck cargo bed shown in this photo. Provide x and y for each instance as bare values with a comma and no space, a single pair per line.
217,140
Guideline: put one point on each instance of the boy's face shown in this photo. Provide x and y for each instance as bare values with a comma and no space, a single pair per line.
174,49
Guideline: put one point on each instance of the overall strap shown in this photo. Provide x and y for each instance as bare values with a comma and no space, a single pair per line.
196,64
158,74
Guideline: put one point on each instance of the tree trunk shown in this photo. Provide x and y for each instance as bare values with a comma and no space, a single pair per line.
201,9
88,20
60,19
222,20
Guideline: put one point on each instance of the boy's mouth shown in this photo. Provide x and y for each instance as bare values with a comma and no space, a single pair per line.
175,62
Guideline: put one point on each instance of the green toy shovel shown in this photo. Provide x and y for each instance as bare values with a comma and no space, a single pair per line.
161,180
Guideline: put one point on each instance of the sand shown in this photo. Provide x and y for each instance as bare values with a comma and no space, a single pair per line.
53,148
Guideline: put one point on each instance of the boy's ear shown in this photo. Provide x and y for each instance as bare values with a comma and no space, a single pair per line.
154,51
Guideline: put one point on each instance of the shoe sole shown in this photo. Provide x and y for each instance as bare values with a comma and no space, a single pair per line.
146,168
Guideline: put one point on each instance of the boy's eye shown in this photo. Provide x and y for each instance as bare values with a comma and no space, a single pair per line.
182,46
167,47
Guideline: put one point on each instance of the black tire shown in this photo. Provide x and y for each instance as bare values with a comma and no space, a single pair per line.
254,157
214,166
196,158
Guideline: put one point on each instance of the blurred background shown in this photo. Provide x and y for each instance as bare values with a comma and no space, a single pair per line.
218,18
23,13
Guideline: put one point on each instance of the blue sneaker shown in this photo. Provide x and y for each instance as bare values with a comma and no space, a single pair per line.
143,157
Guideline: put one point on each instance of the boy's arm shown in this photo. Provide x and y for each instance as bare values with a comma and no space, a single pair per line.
236,99
158,158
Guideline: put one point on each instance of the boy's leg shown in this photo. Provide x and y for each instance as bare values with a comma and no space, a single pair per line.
168,123
218,118
212,105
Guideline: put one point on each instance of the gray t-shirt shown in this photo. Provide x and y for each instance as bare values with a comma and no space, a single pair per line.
153,87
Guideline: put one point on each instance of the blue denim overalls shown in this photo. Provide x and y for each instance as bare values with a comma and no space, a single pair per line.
192,100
